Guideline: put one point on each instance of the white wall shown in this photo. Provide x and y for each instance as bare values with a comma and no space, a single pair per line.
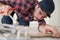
55,17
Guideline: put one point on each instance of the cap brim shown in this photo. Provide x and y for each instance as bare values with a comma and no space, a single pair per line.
42,8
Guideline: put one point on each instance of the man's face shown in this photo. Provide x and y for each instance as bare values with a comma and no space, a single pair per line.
39,14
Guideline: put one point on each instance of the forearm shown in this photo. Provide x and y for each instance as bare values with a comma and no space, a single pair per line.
45,26
41,26
48,28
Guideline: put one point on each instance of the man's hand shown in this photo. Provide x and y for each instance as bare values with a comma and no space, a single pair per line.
49,29
5,10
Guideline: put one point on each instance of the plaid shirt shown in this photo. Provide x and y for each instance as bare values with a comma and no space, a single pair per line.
24,8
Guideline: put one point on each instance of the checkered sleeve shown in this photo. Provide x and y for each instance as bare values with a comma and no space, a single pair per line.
8,2
4,1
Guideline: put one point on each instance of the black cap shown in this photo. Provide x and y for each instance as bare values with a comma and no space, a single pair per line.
47,6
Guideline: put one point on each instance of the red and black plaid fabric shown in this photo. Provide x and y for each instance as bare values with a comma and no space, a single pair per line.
24,8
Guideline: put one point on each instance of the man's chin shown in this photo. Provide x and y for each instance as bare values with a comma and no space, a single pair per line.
39,19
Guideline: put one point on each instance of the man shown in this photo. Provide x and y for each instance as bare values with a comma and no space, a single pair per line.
28,10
